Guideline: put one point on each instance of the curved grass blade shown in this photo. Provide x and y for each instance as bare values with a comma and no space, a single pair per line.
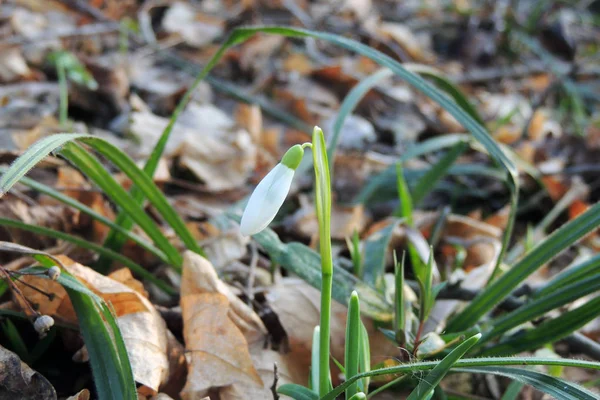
113,376
569,276
375,250
352,344
541,305
94,170
136,268
427,182
471,363
348,105
148,187
297,392
559,240
40,187
549,331
435,376
557,388
34,154
447,86
240,35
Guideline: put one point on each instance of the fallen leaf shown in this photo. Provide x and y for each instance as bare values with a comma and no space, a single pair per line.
82,395
142,327
19,381
196,29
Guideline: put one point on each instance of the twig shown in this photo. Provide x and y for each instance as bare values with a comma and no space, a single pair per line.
275,381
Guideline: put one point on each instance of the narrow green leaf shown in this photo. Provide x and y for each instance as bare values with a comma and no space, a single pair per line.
94,170
399,310
470,363
34,154
433,378
548,331
149,188
557,388
447,86
136,268
111,369
554,244
352,350
297,392
348,105
405,208
314,360
570,275
365,358
543,304
376,247
40,187
11,333
513,390
359,396
427,182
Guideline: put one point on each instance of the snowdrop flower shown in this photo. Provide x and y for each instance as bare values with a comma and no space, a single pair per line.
269,195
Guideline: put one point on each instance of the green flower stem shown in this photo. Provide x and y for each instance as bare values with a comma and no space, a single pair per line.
323,205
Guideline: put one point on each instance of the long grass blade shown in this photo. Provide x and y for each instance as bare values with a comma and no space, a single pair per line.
548,331
94,170
435,376
84,244
557,388
40,187
471,363
538,256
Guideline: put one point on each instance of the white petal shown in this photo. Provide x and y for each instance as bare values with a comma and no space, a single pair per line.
266,200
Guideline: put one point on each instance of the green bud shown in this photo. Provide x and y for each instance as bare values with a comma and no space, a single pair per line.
293,156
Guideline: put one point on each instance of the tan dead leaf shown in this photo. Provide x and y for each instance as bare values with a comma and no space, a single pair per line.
195,29
218,350
199,278
124,276
413,45
223,158
142,327
19,381
82,395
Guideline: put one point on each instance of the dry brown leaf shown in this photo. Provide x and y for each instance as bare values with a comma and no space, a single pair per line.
200,278
142,327
223,158
195,29
19,381
218,349
82,395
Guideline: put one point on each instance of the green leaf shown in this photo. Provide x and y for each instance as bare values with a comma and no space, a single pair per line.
365,358
136,268
470,363
348,105
15,340
352,343
543,304
513,390
306,263
447,86
548,331
570,275
427,182
399,310
297,392
555,243
34,154
433,378
376,247
111,369
40,187
557,388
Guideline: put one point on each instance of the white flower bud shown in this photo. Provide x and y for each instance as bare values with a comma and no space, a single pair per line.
43,324
269,195
53,273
